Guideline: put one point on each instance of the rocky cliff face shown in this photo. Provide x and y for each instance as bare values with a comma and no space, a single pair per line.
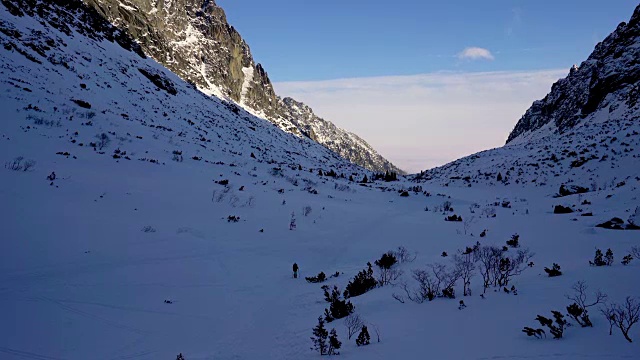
609,76
193,39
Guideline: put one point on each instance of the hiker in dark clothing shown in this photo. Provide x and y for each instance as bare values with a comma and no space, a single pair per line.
295,270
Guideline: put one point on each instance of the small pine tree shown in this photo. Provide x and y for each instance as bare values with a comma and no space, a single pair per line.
499,178
334,343
361,283
598,259
363,338
180,357
365,179
608,257
387,260
338,307
319,337
351,178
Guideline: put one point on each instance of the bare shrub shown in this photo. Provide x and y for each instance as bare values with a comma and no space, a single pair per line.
609,313
306,210
353,323
251,201
40,121
103,141
489,212
28,165
513,266
465,267
623,316
403,255
446,206
635,252
579,309
342,187
488,258
437,280
20,164
220,195
15,164
467,224
376,329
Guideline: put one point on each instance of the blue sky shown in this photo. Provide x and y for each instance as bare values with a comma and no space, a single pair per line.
423,82
330,39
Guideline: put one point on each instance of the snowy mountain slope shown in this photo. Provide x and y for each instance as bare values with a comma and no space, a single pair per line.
49,74
193,39
88,259
586,131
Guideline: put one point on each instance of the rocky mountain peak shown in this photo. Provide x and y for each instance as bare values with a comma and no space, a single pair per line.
610,75
193,39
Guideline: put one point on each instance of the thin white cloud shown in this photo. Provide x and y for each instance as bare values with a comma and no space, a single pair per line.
422,121
514,22
475,53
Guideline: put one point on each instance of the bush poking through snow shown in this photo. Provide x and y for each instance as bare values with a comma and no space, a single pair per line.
148,229
579,309
338,308
177,156
554,271
361,283
321,277
364,338
388,272
626,260
534,332
608,257
555,328
180,357
600,260
514,242
454,217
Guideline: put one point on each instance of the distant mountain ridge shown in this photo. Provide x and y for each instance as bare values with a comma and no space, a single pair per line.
193,39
